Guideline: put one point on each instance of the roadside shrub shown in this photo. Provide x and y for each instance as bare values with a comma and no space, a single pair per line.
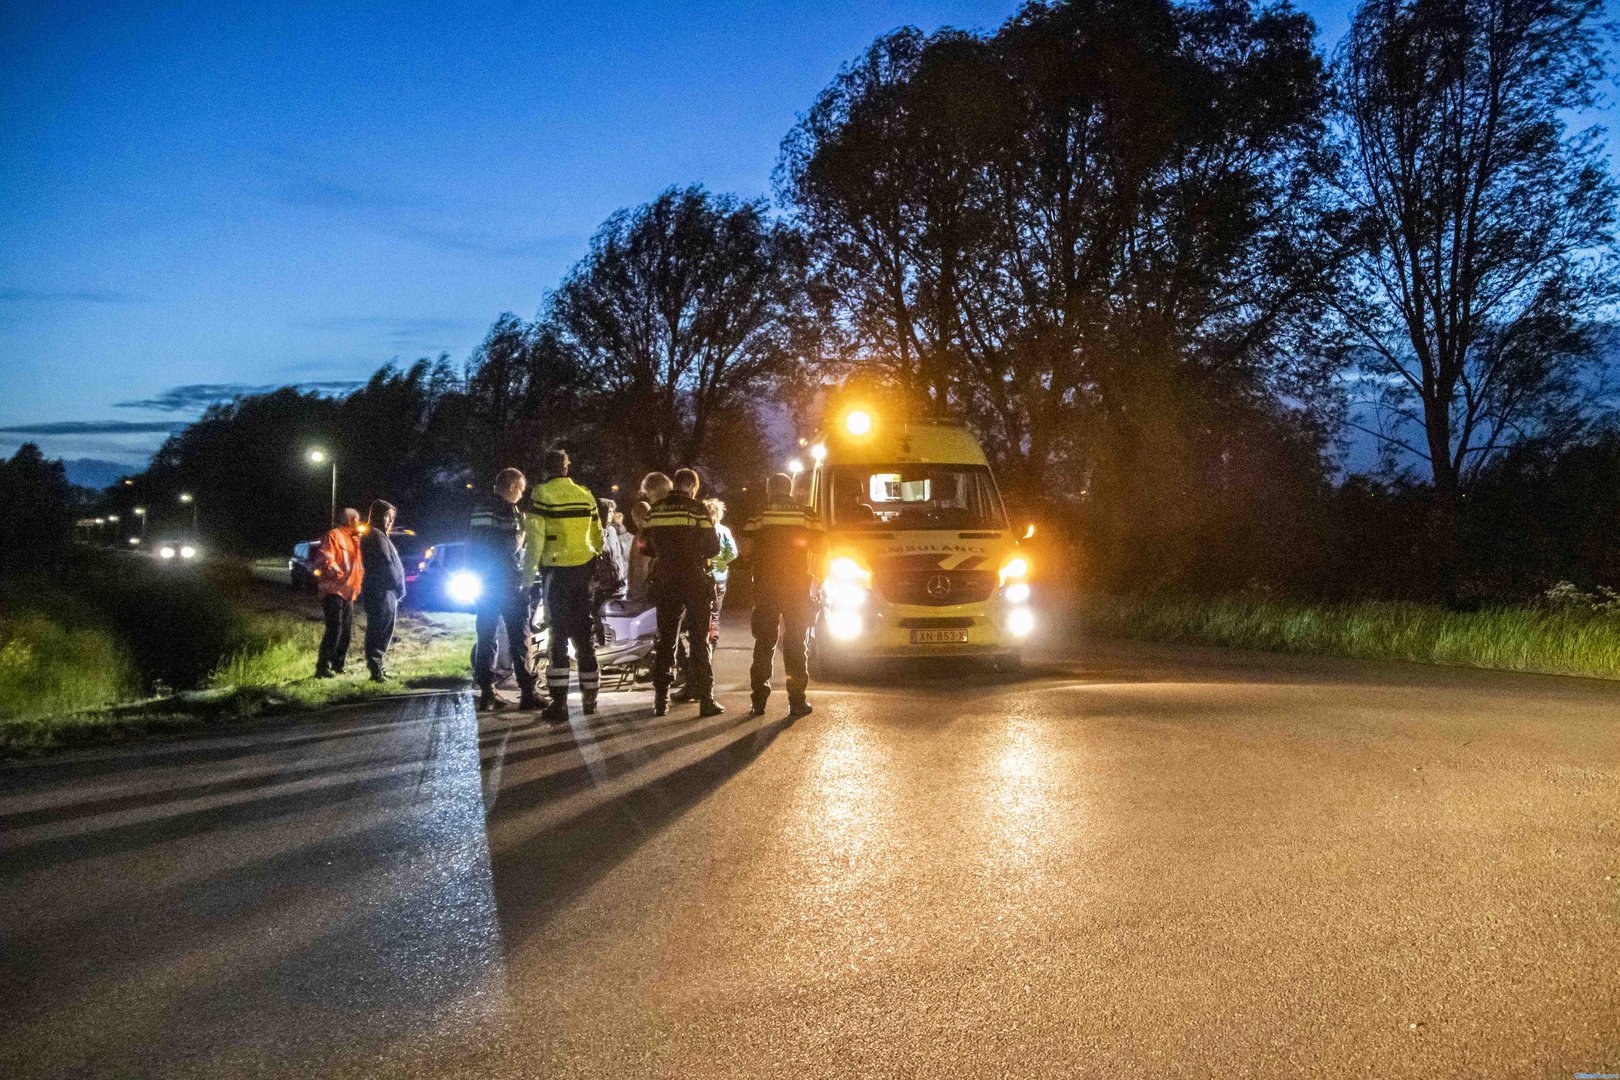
48,666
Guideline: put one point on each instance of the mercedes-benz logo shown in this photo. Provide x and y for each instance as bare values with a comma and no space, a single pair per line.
939,586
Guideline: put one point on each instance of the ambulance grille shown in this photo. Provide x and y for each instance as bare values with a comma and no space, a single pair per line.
936,588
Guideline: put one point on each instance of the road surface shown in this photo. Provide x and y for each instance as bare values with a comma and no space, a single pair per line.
1132,860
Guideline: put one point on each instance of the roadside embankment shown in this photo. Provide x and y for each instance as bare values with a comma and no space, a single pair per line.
115,646
1563,636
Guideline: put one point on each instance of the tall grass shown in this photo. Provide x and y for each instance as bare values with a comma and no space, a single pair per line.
48,666
1553,640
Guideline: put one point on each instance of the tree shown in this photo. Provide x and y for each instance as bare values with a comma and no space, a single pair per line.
1097,233
1489,228
36,510
682,309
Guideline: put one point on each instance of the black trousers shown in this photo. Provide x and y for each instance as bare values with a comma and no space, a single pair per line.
382,610
568,615
786,615
508,604
683,665
334,651
684,608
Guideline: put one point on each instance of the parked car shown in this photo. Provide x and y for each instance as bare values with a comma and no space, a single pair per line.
302,568
176,552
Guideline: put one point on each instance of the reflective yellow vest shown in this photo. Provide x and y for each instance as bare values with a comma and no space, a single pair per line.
564,528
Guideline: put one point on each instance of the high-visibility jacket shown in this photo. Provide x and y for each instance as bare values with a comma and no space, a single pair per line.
787,544
341,570
681,538
564,527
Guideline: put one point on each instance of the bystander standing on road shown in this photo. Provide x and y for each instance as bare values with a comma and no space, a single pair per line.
340,574
382,587
495,541
615,541
783,542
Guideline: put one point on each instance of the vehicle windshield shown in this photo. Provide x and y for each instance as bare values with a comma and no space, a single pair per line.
914,497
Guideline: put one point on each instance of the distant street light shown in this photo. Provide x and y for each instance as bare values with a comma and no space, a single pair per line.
113,518
795,467
190,500
318,456
140,512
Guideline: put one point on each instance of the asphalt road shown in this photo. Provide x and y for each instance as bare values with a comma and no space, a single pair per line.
1133,860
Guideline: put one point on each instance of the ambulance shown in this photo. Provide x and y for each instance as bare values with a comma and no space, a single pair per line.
921,557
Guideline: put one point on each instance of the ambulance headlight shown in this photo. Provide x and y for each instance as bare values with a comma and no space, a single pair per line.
188,552
1014,569
847,569
844,624
1021,622
464,587
166,552
840,593
1017,592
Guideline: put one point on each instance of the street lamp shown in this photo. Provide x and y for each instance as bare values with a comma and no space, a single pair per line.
140,512
187,499
318,456
795,467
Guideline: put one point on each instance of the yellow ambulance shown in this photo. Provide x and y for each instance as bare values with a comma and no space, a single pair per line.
921,557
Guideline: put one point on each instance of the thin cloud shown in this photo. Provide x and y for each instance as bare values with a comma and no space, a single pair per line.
399,331
19,294
95,427
195,397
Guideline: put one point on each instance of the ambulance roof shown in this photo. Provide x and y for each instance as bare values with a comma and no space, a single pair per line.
941,441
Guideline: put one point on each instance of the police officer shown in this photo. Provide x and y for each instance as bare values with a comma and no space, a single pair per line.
681,538
565,537
495,543
784,542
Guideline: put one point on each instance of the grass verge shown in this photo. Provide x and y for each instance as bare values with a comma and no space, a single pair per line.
1545,639
72,675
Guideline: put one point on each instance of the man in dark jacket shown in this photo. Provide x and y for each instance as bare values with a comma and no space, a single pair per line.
784,541
681,537
382,587
495,540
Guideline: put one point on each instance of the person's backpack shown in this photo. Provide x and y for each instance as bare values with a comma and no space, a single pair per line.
605,578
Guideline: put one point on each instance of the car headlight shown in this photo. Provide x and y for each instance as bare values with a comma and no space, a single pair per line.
464,587
843,594
166,552
188,552
1017,592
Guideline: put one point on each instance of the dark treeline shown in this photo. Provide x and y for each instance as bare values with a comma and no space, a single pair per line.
1160,256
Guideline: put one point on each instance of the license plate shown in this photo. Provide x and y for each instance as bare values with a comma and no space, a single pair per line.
939,637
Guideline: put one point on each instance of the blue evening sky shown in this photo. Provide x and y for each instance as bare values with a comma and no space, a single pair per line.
205,197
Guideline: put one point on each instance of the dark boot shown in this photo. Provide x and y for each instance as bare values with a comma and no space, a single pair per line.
488,701
758,708
556,713
531,701
323,672
660,700
587,702
710,707
799,708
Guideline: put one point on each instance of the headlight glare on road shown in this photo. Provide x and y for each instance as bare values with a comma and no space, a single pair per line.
1021,622
1017,593
465,587
166,552
188,552
844,624
844,594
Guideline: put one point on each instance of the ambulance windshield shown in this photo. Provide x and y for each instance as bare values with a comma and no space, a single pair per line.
914,497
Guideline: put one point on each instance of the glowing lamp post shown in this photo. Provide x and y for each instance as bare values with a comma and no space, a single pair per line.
188,499
140,512
319,457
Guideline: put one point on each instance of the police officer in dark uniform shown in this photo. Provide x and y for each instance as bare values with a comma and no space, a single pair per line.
784,542
495,541
681,538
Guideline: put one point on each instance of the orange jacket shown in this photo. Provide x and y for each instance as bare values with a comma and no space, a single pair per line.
340,569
